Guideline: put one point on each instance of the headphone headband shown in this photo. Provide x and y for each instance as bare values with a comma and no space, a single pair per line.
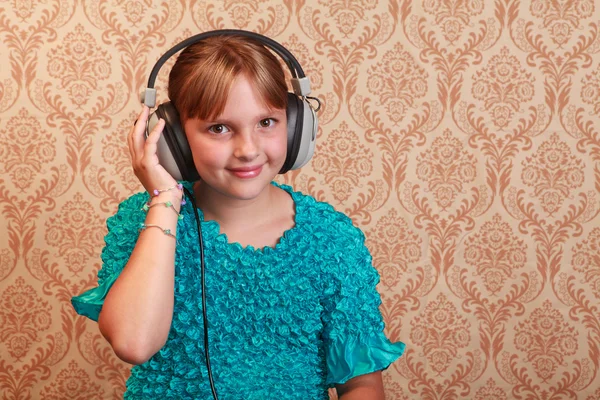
300,82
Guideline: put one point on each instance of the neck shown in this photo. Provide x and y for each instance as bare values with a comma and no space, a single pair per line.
226,210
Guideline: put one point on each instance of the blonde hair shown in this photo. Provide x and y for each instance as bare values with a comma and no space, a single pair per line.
200,80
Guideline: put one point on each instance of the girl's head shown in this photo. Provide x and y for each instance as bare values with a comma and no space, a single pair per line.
200,80
231,95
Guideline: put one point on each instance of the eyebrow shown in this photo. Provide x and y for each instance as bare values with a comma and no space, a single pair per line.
225,121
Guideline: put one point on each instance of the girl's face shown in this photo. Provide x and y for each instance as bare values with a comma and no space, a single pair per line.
239,152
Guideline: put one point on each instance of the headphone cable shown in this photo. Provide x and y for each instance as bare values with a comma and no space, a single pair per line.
203,285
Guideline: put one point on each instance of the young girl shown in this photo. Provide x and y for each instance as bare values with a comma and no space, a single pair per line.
290,289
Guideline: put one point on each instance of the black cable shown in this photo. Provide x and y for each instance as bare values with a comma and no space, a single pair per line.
203,285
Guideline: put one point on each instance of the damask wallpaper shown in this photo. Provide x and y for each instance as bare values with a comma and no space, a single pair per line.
462,136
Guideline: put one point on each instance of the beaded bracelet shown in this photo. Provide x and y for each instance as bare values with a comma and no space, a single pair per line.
167,204
156,192
165,231
179,186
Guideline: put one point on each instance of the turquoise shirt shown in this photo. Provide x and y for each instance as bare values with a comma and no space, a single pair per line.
285,322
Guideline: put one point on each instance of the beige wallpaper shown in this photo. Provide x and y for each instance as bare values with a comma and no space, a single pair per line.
462,136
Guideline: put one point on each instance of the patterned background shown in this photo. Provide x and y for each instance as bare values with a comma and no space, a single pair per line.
461,135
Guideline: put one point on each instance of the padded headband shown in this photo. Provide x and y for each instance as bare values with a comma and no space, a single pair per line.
300,83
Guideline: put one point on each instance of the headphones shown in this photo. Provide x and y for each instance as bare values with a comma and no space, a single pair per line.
173,149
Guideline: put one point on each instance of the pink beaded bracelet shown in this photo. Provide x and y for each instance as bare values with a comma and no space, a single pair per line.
179,186
156,192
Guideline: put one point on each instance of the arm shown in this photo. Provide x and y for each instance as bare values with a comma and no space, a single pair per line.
137,312
363,387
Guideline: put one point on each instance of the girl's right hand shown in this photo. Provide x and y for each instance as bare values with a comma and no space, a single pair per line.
144,159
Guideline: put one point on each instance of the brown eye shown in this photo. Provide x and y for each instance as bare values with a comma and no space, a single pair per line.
267,122
218,129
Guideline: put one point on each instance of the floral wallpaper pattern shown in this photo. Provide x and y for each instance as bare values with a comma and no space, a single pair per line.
462,136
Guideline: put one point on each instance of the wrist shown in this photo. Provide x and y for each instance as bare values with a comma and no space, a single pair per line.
176,189
172,200
173,195
174,192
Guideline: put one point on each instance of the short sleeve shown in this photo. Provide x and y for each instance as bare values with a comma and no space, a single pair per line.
355,343
119,243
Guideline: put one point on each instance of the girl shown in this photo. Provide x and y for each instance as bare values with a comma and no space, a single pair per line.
290,290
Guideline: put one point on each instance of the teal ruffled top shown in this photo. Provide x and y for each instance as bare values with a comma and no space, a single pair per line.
286,322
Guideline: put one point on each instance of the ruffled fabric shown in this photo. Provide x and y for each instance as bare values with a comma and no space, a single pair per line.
119,243
90,303
282,319
352,357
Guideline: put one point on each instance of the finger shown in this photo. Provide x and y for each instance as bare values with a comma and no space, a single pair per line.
152,140
130,142
139,121
156,131
139,115
130,138
138,132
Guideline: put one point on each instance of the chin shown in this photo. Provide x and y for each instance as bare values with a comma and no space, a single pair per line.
245,193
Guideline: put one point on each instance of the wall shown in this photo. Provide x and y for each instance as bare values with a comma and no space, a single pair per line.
461,136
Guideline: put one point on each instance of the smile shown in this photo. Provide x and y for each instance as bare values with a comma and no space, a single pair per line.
246,172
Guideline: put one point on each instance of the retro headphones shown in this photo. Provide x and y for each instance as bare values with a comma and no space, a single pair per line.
173,150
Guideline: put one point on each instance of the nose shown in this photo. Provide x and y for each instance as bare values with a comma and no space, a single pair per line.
246,145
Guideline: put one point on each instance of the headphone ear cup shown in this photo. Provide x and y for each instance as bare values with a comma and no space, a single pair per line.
165,156
173,149
294,113
302,126
308,135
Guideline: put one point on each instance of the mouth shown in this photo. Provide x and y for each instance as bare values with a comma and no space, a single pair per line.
246,172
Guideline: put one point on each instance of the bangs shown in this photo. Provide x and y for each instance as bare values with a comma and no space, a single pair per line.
203,74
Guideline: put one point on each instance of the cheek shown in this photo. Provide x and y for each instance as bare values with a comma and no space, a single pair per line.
277,147
206,155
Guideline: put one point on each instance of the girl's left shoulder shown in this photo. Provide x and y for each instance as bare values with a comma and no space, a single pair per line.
321,218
